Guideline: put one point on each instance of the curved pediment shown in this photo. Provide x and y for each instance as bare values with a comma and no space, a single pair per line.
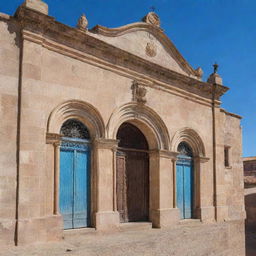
149,42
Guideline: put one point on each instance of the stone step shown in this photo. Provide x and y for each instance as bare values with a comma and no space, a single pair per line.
78,232
131,226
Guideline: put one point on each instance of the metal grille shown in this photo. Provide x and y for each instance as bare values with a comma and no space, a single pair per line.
185,150
73,128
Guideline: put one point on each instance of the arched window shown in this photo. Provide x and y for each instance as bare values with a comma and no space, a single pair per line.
73,128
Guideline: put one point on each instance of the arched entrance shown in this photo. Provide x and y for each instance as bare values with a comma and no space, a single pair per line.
132,174
74,184
185,181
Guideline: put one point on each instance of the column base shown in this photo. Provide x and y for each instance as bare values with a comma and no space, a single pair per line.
45,229
206,214
107,221
165,217
7,231
222,213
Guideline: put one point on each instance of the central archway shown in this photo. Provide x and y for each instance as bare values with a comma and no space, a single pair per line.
132,174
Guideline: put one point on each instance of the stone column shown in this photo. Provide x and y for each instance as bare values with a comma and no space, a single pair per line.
54,139
106,216
203,207
162,189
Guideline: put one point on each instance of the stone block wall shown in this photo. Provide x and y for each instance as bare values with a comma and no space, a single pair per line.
9,83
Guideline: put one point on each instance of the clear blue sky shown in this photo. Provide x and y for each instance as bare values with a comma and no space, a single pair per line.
204,31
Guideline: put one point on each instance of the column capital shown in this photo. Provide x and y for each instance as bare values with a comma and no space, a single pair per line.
202,159
165,154
53,138
105,143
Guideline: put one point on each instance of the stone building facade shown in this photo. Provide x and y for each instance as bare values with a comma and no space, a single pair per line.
250,190
128,97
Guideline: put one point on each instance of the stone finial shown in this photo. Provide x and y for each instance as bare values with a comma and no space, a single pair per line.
82,23
199,72
152,18
215,78
37,5
139,92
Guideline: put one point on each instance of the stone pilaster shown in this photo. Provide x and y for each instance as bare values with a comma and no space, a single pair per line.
106,216
162,189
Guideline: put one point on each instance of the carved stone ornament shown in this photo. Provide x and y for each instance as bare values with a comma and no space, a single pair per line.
153,19
199,72
82,23
151,49
139,92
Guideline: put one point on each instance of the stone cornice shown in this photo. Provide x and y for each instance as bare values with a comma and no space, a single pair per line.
46,28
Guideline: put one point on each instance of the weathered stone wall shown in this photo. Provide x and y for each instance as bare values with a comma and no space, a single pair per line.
234,173
9,75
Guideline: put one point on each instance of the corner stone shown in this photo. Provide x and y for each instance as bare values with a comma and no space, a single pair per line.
37,5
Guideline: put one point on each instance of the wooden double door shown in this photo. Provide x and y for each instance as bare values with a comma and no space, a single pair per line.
132,186
132,174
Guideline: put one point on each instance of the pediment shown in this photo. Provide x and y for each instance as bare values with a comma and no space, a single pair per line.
148,42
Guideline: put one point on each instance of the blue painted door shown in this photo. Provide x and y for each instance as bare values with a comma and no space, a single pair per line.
184,179
74,187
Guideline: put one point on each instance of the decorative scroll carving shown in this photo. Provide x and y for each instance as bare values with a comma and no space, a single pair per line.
151,49
199,72
139,92
82,23
152,18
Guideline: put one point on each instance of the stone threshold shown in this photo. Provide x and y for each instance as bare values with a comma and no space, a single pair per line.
185,222
135,226
78,231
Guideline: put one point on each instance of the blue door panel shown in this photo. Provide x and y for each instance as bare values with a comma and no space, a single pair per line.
184,181
81,195
187,191
66,187
180,190
74,188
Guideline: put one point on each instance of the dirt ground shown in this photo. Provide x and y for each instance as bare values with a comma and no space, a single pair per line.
211,241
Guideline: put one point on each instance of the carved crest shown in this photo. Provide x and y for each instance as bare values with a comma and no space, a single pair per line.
199,72
151,49
139,92
82,23
152,18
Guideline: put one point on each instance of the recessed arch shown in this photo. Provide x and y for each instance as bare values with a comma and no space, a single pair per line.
81,111
191,137
146,119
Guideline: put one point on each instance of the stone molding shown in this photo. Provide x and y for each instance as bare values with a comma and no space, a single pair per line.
148,82
106,143
53,138
80,110
145,118
165,154
71,41
202,159
190,136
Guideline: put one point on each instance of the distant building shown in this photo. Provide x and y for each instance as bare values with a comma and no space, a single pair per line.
250,189
249,164
106,126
